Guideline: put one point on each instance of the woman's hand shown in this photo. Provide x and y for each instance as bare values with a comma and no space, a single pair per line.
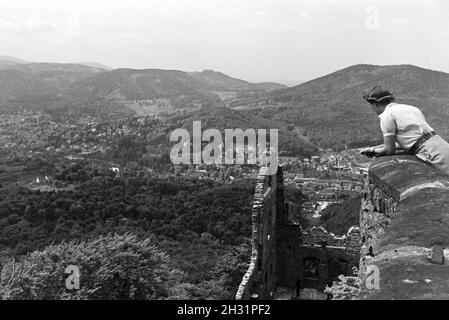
386,149
369,152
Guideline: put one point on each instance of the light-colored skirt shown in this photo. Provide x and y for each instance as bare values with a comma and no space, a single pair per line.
435,151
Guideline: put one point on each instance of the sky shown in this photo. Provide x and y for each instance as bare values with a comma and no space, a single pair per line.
287,41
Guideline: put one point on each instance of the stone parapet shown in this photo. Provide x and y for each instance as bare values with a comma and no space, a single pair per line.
404,220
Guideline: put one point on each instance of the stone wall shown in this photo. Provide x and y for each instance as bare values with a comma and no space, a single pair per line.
318,236
283,253
315,257
404,225
260,280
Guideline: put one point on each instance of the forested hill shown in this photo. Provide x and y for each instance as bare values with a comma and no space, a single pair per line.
40,82
291,141
215,80
328,112
332,109
146,91
150,84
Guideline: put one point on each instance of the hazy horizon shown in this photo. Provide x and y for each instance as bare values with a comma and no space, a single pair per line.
277,41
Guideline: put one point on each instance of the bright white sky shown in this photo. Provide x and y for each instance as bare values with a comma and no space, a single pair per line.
256,40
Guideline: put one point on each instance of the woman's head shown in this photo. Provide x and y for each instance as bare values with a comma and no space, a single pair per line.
379,98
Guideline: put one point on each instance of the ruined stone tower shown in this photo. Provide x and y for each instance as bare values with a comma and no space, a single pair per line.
282,253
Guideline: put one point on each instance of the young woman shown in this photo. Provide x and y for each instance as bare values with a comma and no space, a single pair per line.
404,127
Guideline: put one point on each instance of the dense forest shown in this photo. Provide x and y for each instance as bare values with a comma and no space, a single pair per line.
113,267
195,222
203,227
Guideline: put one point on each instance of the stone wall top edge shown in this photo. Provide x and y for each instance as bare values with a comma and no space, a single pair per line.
403,176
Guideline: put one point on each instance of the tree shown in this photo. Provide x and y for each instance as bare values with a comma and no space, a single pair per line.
111,267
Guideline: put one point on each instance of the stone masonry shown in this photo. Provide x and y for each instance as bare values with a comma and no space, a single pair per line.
404,227
283,253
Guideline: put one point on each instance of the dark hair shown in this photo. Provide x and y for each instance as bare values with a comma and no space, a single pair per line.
379,95
386,100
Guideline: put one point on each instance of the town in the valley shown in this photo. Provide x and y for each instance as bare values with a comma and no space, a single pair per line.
42,154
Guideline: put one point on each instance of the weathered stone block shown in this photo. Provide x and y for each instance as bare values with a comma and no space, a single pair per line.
404,214
437,254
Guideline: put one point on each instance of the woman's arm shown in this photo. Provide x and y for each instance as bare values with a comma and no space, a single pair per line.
388,148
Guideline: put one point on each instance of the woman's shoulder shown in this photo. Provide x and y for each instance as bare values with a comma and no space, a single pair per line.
400,107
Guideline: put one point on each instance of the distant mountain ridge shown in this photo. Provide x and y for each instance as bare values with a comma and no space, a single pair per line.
96,65
44,67
147,91
12,59
400,78
328,111
215,80
148,84
7,62
40,82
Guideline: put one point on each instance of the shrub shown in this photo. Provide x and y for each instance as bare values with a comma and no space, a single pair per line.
348,288
111,267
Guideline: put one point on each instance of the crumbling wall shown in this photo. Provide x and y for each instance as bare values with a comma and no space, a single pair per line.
260,280
318,236
282,251
404,223
315,257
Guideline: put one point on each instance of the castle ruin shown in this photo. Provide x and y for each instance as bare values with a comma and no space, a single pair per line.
283,253
403,232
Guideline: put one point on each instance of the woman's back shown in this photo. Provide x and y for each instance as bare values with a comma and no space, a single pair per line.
405,121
